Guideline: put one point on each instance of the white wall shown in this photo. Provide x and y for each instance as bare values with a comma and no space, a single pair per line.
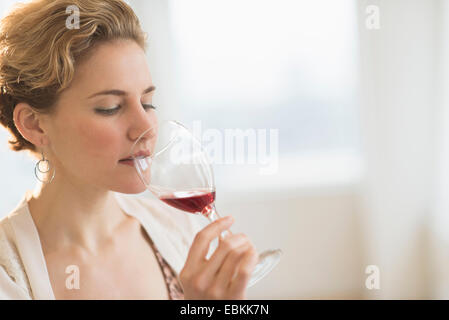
318,232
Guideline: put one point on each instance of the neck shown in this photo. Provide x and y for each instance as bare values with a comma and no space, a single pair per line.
67,213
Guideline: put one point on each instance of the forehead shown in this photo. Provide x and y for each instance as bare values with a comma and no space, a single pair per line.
118,64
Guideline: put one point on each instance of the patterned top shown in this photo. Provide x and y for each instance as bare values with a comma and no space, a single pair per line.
173,286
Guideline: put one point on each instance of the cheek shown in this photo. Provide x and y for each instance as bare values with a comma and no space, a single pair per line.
98,140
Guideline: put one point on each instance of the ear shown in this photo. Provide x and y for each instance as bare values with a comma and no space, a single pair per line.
30,124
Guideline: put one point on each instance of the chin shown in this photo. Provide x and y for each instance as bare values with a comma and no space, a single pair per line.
130,187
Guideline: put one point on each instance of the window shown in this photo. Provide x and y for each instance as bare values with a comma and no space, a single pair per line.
285,65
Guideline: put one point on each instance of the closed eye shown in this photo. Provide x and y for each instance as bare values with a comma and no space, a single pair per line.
112,111
148,106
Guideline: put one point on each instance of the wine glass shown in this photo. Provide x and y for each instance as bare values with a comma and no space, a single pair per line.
174,166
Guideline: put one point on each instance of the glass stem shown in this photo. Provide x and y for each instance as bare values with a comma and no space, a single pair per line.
210,212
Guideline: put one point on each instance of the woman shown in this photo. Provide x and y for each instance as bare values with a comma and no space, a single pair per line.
76,98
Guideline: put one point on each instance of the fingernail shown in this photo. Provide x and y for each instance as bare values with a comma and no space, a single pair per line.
229,218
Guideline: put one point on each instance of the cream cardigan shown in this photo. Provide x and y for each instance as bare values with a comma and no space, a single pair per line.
23,270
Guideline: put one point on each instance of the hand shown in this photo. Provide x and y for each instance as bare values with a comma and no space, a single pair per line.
225,275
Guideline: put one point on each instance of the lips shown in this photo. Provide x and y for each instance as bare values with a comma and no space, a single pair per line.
140,154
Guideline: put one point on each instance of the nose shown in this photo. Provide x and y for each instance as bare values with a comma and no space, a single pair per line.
143,124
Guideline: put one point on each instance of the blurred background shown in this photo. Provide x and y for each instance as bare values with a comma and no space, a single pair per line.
356,92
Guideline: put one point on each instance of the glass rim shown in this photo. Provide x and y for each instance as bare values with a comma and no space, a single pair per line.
151,157
171,122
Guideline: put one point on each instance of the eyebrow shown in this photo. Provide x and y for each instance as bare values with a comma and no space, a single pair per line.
117,92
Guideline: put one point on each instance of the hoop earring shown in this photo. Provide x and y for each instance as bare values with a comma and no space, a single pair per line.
48,165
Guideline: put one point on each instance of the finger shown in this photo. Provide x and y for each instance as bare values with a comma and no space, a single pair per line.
229,267
229,244
201,243
244,271
223,235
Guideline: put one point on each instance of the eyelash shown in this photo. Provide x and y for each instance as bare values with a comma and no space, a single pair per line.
114,110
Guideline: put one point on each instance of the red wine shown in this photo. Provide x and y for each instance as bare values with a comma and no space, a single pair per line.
190,201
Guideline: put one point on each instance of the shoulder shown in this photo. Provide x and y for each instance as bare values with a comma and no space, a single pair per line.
13,279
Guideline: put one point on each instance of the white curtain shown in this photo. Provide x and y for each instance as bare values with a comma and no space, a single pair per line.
401,105
439,241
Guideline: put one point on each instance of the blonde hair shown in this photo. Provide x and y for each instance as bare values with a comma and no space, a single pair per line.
38,52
